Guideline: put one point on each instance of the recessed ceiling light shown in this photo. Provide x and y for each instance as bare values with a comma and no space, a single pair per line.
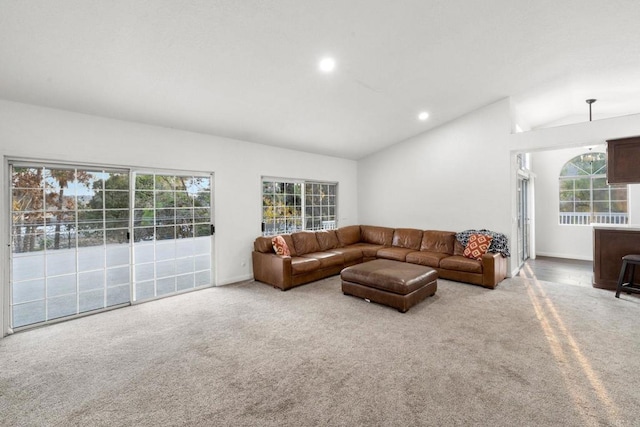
327,65
423,116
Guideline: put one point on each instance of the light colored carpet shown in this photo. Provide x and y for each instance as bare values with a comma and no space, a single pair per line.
527,353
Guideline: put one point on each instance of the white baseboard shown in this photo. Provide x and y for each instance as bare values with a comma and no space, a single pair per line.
236,279
561,255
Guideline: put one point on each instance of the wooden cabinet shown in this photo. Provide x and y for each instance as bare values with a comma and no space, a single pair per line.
623,160
610,245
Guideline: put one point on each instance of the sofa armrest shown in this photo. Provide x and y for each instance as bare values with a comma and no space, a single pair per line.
494,269
272,269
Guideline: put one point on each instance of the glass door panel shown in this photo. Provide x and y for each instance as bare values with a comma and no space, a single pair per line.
171,234
70,252
523,220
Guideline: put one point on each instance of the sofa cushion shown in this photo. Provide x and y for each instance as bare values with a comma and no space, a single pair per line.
477,246
263,244
461,263
327,239
458,248
287,238
280,246
407,238
438,241
305,242
369,250
327,259
351,254
397,254
376,235
301,265
348,235
430,259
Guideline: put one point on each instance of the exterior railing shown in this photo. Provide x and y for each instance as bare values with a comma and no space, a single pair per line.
586,218
282,227
328,225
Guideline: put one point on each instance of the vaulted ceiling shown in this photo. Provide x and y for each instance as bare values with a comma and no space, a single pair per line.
248,69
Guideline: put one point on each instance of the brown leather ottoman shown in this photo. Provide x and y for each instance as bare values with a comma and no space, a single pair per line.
396,284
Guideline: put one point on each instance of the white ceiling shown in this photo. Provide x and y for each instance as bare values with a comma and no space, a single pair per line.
247,69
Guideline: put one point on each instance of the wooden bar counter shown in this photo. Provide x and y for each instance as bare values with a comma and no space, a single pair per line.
610,244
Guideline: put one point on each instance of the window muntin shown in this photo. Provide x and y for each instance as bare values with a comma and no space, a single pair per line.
289,206
584,196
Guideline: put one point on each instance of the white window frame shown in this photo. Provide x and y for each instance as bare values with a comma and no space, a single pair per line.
293,223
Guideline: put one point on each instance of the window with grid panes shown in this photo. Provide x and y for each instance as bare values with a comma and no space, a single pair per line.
289,206
584,196
320,206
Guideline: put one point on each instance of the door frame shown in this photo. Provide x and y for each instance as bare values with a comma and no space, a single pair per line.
528,219
523,219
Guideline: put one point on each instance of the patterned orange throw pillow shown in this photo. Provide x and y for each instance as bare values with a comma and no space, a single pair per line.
477,246
280,246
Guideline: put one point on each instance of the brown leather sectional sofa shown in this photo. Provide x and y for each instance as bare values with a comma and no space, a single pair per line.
319,254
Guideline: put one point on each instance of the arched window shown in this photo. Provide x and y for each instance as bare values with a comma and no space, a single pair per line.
585,197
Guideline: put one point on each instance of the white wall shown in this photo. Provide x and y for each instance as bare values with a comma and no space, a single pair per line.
454,177
41,133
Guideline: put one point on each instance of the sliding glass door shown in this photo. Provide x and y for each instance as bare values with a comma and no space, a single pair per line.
86,239
70,252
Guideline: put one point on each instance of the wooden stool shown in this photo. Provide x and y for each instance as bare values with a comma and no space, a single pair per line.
628,260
